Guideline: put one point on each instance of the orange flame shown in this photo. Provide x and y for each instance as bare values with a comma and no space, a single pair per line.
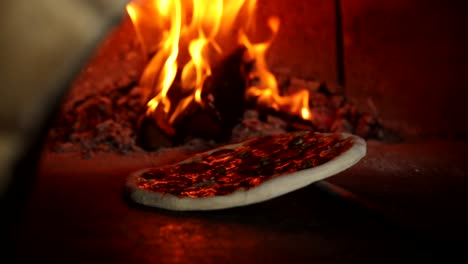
193,34
266,91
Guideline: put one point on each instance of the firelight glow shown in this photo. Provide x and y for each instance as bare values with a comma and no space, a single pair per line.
187,36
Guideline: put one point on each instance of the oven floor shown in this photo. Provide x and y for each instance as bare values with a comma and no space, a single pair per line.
78,213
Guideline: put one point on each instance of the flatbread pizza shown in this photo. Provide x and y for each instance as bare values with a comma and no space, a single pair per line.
245,173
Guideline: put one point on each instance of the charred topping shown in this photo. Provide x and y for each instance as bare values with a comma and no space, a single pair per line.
245,154
305,164
296,141
220,170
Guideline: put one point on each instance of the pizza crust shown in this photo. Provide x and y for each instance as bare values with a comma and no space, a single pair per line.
274,187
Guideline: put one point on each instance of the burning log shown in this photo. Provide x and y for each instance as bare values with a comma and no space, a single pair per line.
227,85
201,122
294,123
222,108
154,132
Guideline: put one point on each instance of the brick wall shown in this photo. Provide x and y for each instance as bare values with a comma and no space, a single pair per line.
410,57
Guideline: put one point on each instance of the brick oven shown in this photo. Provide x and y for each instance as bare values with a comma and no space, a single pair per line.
391,72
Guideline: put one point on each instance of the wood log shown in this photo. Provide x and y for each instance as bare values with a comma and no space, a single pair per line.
227,86
222,108
154,132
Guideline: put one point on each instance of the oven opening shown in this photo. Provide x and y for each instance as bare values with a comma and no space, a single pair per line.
175,78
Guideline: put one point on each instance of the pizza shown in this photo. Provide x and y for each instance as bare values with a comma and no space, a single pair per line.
245,173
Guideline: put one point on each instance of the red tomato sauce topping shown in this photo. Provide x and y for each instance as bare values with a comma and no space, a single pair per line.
228,170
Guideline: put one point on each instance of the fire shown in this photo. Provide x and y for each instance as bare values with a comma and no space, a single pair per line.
187,37
266,91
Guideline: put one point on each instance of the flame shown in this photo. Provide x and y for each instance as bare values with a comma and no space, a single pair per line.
187,36
266,91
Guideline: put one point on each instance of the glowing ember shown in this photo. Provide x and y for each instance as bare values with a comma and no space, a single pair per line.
188,37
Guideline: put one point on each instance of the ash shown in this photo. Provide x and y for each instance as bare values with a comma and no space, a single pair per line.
108,136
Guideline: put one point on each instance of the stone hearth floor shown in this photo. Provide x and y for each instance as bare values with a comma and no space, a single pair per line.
78,213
